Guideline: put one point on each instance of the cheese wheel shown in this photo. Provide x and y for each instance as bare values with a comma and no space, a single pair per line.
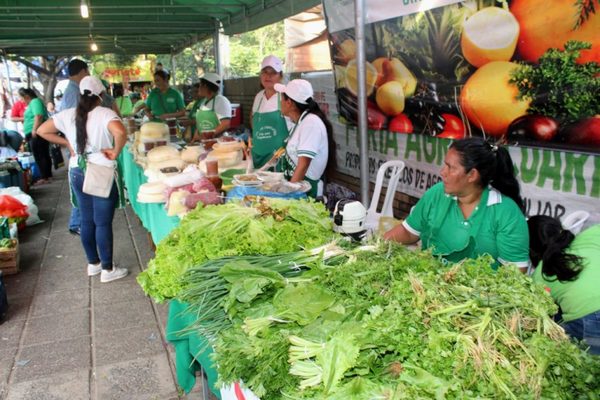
227,159
152,188
162,153
191,154
174,162
154,130
150,198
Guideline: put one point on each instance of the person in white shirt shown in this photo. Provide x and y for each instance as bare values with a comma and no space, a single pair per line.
310,149
94,134
214,115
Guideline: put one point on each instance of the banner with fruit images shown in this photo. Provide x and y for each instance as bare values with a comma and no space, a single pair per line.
553,182
523,72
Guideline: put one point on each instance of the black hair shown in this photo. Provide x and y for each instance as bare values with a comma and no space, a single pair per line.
196,85
313,108
27,92
211,86
118,90
548,242
76,66
163,74
494,164
135,96
87,102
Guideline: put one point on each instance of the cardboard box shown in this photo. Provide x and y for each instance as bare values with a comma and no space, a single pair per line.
9,259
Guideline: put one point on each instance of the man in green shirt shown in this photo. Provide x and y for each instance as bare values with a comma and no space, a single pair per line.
164,102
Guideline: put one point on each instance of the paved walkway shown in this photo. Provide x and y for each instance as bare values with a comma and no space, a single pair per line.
70,337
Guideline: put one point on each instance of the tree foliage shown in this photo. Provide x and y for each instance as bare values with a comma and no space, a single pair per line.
248,49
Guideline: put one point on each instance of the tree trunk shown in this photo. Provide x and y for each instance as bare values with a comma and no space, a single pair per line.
51,67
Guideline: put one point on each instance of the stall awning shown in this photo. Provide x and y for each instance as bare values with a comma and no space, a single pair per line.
41,27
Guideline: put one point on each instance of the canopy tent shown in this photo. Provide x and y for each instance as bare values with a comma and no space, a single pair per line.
39,27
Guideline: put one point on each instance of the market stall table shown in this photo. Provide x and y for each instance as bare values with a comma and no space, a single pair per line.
191,349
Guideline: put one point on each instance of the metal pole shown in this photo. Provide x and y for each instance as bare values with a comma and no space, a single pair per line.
217,48
359,28
10,92
173,66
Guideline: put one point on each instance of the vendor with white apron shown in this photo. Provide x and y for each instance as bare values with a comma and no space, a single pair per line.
270,127
214,114
310,142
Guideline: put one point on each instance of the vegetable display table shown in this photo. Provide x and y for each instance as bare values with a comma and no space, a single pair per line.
191,349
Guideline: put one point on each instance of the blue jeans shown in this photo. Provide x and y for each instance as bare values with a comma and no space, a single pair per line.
586,329
74,219
96,221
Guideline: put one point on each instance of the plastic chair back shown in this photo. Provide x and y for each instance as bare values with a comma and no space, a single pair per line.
395,167
574,221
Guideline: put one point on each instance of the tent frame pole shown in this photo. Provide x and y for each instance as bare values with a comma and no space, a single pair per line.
359,26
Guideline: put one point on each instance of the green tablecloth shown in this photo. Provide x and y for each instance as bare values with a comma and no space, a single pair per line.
188,356
153,216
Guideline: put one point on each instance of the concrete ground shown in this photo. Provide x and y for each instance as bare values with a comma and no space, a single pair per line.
67,335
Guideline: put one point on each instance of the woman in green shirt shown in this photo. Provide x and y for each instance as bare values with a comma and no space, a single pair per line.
569,267
34,116
123,102
475,210
164,102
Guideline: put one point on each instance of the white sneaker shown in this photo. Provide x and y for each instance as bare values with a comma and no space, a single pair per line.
94,269
113,274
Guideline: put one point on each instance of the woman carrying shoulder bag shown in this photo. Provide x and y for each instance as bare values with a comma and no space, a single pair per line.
95,136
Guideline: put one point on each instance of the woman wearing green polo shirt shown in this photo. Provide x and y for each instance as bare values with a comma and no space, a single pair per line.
34,116
475,210
569,266
164,102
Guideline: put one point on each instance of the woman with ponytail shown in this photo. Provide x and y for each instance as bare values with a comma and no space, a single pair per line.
94,134
476,209
310,149
569,266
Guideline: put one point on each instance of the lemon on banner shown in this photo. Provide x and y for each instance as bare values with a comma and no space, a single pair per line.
490,34
352,77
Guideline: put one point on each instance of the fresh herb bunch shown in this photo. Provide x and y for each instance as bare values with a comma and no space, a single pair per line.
233,229
403,325
560,87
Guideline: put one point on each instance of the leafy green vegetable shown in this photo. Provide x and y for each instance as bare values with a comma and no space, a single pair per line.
233,229
560,87
403,325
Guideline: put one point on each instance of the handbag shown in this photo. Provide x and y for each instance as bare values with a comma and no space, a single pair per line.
98,180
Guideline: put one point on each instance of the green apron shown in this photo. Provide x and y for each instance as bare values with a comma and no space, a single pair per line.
207,120
269,134
192,114
288,166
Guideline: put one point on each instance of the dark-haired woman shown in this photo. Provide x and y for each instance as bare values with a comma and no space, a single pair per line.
164,102
569,266
475,210
94,134
213,116
35,115
309,151
123,102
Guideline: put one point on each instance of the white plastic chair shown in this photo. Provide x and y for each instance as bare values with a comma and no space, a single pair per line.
395,167
574,221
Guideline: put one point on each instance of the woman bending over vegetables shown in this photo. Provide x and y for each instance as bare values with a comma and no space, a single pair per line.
475,210
569,266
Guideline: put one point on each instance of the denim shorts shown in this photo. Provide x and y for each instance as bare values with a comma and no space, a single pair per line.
586,329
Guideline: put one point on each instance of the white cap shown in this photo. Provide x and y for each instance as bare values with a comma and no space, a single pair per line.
213,78
92,84
273,62
298,90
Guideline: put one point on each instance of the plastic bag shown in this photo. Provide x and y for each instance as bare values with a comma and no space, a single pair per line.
26,199
12,208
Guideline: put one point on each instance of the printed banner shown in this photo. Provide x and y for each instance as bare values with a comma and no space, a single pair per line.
524,72
141,70
553,182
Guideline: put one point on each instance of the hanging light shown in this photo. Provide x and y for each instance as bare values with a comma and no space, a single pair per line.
94,46
85,11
